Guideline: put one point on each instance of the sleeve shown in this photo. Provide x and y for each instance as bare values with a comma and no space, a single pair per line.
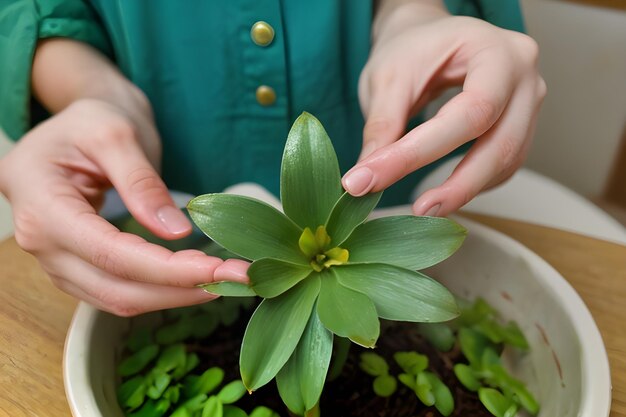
504,13
22,24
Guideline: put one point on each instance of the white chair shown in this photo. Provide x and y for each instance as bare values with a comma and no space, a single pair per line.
531,197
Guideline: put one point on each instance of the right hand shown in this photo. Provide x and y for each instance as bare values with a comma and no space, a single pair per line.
55,178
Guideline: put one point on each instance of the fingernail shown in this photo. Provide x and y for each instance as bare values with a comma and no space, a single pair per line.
174,220
359,181
433,210
232,270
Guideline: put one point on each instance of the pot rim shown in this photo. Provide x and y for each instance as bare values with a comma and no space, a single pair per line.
596,387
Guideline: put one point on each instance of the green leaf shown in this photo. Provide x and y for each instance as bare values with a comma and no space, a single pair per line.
526,399
490,357
182,412
197,385
171,357
310,182
347,313
511,411
385,385
497,377
232,411
229,289
191,361
132,393
514,388
467,377
288,383
189,407
138,361
475,313
494,401
160,382
348,213
213,407
399,294
232,392
490,329
175,332
263,412
444,402
408,380
439,335
405,241
473,345
301,381
373,364
274,331
196,403
172,394
152,409
513,336
247,227
424,389
411,362
271,277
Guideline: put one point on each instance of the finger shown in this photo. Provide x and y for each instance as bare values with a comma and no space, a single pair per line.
468,115
79,230
140,187
492,159
386,111
122,297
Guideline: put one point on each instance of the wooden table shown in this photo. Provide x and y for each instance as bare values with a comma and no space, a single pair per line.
34,316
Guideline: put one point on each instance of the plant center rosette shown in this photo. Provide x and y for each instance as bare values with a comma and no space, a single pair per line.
321,268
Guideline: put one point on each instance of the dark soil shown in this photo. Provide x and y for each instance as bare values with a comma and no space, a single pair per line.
351,394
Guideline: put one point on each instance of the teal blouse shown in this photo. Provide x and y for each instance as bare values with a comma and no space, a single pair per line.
198,65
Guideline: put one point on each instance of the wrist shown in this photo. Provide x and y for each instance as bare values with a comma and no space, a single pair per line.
66,71
121,93
394,16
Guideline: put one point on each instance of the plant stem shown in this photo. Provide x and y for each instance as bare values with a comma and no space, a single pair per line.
313,412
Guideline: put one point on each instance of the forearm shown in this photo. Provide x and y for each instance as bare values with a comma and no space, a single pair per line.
65,71
392,16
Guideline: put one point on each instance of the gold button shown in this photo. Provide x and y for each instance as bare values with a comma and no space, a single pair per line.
266,96
262,33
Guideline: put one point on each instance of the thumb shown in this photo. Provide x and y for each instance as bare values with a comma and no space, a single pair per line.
142,190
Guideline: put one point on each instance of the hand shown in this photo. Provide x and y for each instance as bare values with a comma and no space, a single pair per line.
414,59
55,178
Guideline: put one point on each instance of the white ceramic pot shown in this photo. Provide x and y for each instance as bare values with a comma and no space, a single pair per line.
567,367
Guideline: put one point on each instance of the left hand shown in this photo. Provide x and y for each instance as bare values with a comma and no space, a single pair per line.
415,59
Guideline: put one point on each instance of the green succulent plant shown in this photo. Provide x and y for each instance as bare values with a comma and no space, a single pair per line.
321,268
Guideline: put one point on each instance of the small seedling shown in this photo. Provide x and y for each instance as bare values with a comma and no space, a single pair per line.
384,385
482,339
500,393
427,386
157,380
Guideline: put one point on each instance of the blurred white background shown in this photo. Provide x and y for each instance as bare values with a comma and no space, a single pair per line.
583,60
